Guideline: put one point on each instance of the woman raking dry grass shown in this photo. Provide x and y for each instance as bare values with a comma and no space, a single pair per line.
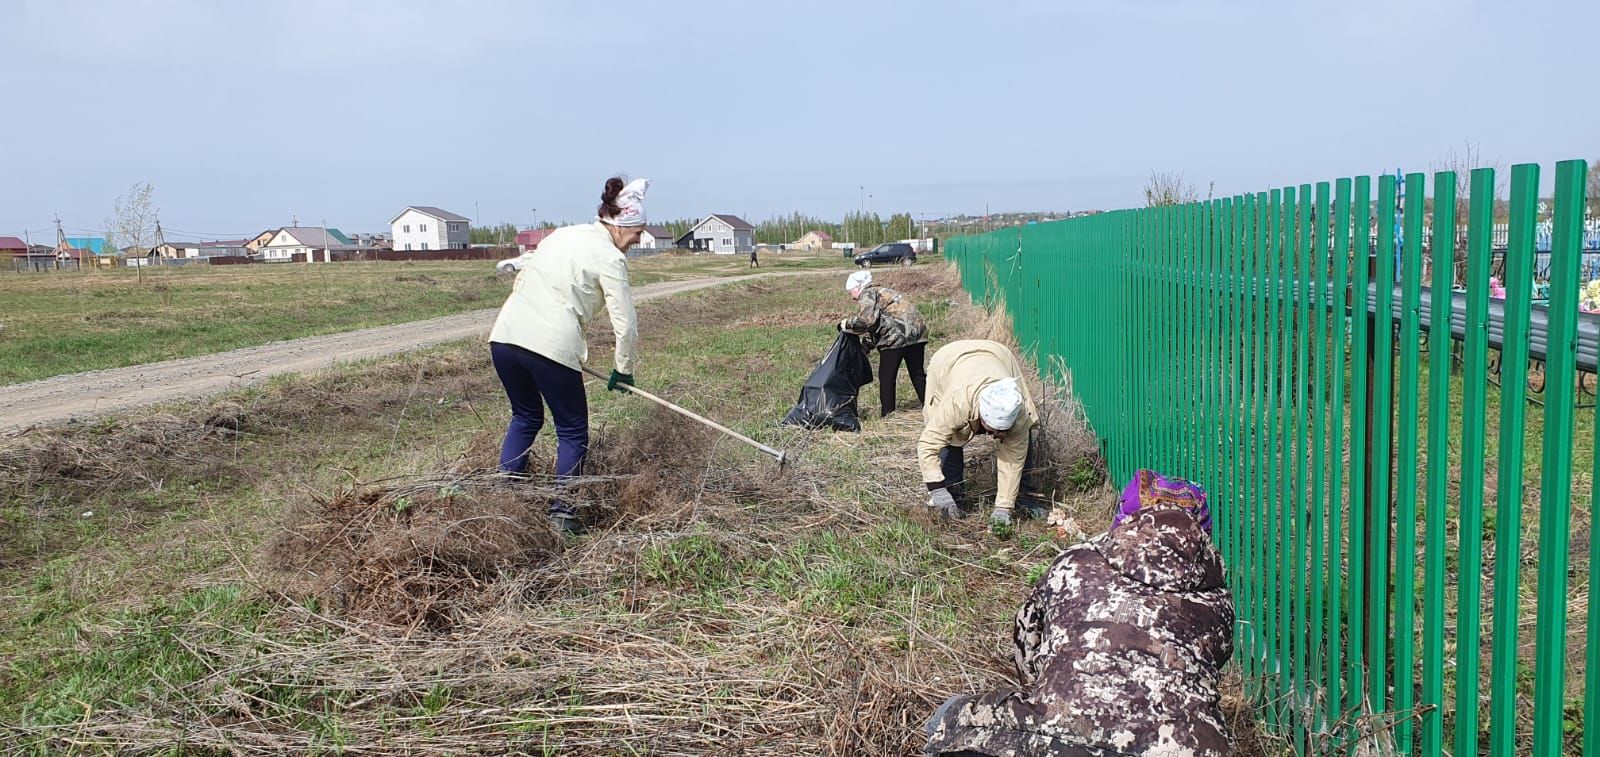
537,342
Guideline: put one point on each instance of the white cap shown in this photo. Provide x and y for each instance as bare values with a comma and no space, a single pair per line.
999,404
857,280
631,201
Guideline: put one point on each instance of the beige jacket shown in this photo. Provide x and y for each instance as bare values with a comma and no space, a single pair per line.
576,271
957,373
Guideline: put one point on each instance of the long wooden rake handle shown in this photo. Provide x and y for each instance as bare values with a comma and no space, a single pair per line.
781,456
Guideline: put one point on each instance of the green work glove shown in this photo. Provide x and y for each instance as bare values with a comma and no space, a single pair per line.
619,378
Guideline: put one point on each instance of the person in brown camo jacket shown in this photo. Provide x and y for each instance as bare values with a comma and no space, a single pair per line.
896,328
1118,648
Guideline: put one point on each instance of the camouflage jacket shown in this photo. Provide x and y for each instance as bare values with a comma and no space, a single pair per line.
889,318
1118,650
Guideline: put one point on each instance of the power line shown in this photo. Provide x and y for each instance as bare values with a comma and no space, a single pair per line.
214,235
23,232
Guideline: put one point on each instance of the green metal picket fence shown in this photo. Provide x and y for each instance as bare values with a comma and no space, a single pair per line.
1287,350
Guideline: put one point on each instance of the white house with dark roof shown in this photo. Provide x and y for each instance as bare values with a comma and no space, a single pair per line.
654,238
317,244
214,249
722,234
423,227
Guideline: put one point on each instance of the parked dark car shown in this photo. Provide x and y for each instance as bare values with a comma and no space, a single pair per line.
887,253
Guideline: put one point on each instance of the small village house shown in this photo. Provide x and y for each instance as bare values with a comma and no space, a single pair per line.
722,234
13,247
316,244
813,241
88,251
35,257
655,238
528,239
224,248
377,241
422,227
254,246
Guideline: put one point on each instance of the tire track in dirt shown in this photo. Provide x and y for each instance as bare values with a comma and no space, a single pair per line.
77,396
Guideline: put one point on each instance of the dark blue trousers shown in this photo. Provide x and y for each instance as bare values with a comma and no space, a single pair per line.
532,381
953,464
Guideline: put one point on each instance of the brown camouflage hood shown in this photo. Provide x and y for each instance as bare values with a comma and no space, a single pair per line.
1118,651
1164,550
889,318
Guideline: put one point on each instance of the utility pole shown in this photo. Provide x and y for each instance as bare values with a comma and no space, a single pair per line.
61,241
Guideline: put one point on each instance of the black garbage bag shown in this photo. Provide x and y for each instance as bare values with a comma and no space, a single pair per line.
828,399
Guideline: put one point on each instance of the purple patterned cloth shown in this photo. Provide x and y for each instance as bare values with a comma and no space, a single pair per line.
1149,489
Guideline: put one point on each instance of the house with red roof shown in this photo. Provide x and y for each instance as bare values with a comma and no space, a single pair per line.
528,240
13,246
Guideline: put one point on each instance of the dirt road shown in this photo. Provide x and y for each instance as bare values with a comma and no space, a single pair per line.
83,395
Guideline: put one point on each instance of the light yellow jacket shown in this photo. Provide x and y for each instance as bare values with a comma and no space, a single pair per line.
576,271
957,373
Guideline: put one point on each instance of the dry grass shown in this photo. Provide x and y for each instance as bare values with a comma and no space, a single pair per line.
717,605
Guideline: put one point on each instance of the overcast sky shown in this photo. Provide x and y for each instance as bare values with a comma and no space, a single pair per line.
244,114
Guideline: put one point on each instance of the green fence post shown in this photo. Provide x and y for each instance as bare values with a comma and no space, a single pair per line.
1475,380
1360,399
1295,448
1272,485
1202,430
1231,257
1177,333
1508,499
1339,260
1316,267
1129,451
1304,541
1555,501
1405,585
1379,464
1441,310
1257,528
1144,318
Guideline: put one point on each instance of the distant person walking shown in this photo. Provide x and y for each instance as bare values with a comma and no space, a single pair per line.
537,342
892,323
754,262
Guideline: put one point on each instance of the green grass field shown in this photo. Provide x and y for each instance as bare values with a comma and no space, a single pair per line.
814,612
55,323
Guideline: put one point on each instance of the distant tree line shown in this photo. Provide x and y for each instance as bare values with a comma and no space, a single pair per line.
864,229
502,234
678,226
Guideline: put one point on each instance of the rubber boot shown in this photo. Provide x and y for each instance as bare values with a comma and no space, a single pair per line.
565,520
